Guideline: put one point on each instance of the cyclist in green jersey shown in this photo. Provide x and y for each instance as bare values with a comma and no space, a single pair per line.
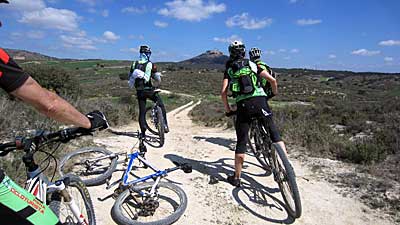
255,56
241,77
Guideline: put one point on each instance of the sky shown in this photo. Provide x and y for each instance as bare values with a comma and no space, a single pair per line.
356,35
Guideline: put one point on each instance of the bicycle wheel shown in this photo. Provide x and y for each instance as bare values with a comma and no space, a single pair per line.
133,208
77,190
93,165
286,179
160,125
149,121
260,146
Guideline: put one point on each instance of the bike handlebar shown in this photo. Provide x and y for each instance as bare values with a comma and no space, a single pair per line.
230,113
40,137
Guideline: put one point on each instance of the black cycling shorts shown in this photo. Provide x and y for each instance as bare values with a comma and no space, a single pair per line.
246,110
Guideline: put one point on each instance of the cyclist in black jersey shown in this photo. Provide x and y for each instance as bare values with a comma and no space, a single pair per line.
14,208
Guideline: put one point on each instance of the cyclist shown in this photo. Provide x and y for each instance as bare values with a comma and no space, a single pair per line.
255,56
141,74
241,78
18,206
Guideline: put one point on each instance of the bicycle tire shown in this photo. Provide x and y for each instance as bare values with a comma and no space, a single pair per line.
93,178
290,177
75,182
148,119
261,154
160,125
120,218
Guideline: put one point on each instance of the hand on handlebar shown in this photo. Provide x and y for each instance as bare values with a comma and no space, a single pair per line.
97,121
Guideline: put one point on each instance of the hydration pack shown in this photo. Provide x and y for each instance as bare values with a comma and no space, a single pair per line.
243,74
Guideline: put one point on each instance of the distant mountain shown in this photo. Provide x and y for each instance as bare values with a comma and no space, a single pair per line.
27,55
212,59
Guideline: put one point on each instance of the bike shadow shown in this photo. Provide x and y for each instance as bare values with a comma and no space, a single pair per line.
152,140
229,143
254,193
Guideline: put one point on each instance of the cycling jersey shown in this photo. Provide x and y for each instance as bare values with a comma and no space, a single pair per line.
234,74
11,75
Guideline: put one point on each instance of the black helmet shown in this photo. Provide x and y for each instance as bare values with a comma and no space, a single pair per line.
255,53
145,49
237,49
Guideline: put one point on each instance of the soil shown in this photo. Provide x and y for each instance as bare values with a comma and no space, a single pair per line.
211,200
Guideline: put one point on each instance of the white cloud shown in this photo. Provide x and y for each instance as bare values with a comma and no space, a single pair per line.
160,24
92,10
89,2
140,37
191,10
105,13
282,50
287,58
308,22
332,56
244,21
134,10
78,41
25,6
35,34
228,39
295,50
388,59
132,50
293,1
61,19
110,36
365,52
390,43
269,52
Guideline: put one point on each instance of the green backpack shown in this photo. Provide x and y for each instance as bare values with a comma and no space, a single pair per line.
244,78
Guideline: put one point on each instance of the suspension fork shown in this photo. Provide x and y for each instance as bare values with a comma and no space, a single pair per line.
73,207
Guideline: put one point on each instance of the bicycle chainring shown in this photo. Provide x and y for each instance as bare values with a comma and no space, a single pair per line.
148,207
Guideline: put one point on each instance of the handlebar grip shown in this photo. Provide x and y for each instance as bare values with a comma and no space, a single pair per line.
230,113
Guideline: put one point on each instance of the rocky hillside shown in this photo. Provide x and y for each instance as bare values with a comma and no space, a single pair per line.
27,55
210,59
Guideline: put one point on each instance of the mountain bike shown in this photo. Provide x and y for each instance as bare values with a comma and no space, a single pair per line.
273,158
67,197
155,121
137,201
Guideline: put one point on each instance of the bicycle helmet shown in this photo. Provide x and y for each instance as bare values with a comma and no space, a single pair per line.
145,49
254,53
237,49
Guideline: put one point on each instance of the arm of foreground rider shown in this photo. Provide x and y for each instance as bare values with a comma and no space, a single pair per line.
50,104
224,95
271,80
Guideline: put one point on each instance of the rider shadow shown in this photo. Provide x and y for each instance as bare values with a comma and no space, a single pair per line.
228,143
152,140
224,142
254,192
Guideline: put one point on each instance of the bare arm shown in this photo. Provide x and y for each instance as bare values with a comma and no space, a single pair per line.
50,104
271,80
224,95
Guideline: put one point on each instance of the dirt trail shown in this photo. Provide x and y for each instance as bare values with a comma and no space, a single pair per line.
210,152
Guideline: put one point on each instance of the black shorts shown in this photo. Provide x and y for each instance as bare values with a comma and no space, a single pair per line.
246,110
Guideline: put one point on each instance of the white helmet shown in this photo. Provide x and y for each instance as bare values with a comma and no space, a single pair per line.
254,53
237,48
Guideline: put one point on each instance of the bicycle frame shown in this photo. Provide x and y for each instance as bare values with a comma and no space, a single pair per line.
39,185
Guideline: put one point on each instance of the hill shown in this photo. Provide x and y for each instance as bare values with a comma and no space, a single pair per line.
27,55
212,59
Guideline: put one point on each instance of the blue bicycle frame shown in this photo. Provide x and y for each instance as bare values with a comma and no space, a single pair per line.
132,157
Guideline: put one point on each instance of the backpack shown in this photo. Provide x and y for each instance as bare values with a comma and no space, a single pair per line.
264,82
244,78
140,84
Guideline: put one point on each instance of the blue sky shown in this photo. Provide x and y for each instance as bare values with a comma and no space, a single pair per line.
357,35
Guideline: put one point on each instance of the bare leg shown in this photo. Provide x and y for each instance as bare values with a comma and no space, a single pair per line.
239,159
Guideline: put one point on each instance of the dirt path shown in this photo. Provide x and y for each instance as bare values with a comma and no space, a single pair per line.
210,152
